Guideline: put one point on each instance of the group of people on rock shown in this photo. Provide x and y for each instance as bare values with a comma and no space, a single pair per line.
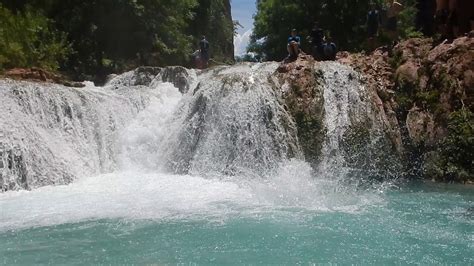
322,47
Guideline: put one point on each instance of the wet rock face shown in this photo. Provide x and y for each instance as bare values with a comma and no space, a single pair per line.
144,76
177,75
342,126
303,97
420,85
377,76
233,123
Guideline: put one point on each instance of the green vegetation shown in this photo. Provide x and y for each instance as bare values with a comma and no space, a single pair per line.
406,24
408,94
94,38
396,59
453,160
344,21
28,39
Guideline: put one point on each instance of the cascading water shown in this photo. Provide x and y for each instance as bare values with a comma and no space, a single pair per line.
356,146
234,124
343,101
176,166
226,123
51,134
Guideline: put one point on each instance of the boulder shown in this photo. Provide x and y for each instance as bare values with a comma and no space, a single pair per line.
408,73
420,126
38,74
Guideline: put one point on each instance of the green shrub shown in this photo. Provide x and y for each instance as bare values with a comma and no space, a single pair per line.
407,21
428,99
397,59
456,152
27,39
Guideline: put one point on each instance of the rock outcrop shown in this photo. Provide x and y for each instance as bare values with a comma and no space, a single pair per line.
427,93
304,100
341,121
38,74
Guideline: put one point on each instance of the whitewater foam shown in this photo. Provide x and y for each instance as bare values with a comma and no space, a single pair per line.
160,196
236,140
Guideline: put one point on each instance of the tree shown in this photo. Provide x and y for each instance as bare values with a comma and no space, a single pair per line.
116,35
27,39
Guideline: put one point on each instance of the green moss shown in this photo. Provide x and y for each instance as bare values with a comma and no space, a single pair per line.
428,99
297,90
408,94
446,82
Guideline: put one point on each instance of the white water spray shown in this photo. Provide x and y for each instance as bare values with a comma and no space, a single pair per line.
219,145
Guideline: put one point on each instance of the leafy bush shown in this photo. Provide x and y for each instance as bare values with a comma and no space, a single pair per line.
457,146
453,161
27,39
407,21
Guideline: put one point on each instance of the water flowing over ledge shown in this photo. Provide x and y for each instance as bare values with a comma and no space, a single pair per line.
232,121
211,163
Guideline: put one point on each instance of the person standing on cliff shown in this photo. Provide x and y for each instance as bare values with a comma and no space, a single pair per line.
204,51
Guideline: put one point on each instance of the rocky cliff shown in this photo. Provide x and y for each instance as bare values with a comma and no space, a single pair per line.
341,120
426,92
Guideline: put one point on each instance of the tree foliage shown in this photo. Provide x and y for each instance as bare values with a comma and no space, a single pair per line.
27,38
457,151
212,19
115,35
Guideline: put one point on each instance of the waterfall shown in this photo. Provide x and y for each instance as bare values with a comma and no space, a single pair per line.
229,121
343,102
356,146
51,134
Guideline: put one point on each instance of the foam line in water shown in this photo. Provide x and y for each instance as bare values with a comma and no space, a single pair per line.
158,196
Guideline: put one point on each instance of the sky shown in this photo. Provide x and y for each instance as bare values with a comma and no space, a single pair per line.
243,11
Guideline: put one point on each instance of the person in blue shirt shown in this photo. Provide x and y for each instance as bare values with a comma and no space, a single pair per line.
293,46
